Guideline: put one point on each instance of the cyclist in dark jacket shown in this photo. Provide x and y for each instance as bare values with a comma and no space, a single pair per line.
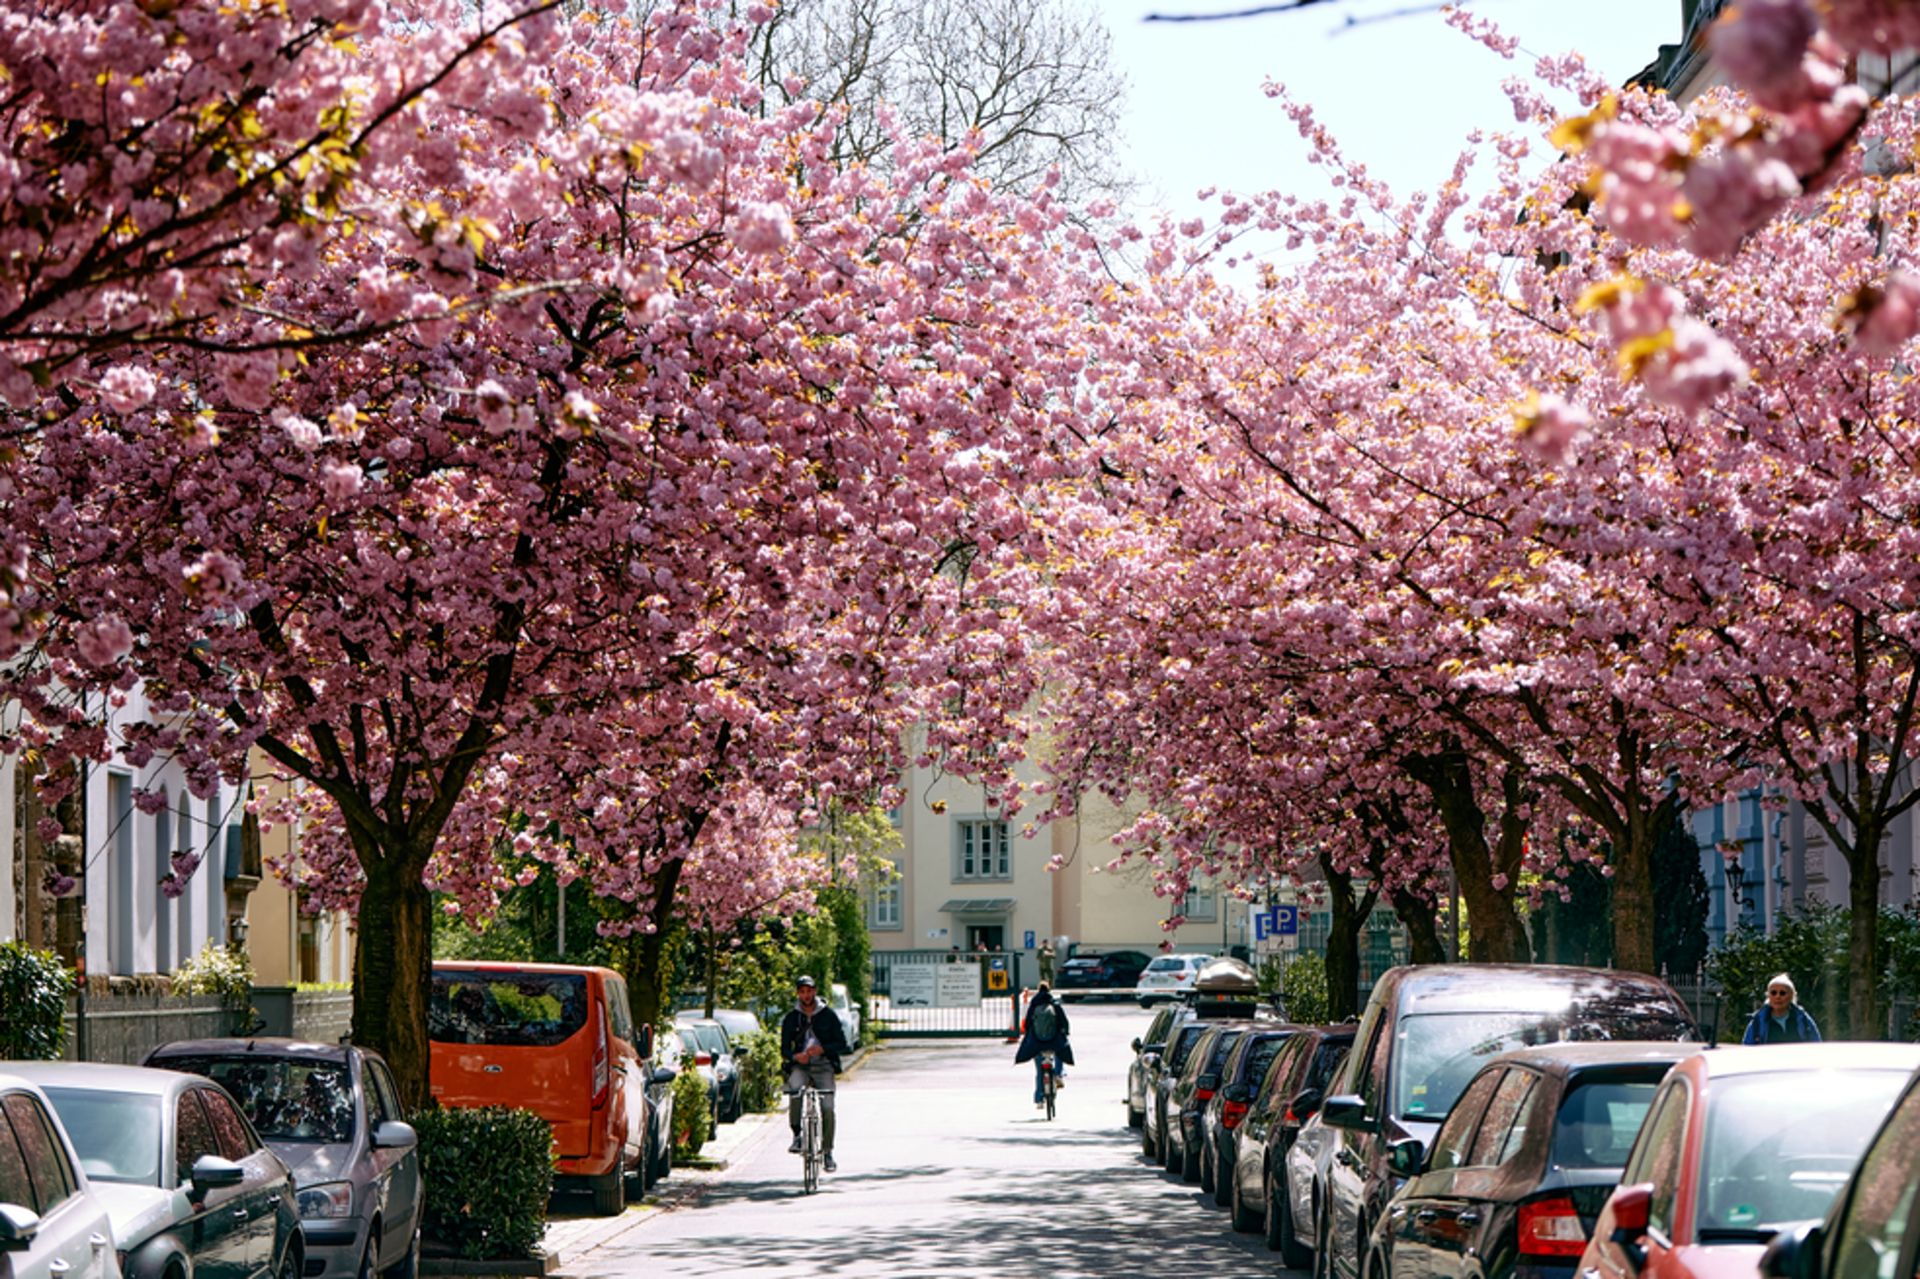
812,1043
1044,1029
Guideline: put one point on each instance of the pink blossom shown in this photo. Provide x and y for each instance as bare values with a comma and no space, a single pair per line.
214,579
304,434
762,229
341,482
247,380
103,641
1884,319
127,388
1761,43
1550,426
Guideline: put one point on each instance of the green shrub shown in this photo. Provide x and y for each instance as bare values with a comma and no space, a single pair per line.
692,1120
1303,989
34,985
762,1073
486,1175
217,970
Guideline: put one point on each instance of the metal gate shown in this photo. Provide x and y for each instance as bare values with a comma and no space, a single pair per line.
946,993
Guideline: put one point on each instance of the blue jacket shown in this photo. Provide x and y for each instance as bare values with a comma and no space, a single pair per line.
1800,1028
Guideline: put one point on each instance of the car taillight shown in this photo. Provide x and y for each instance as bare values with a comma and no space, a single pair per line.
1203,1094
703,1059
1231,1113
602,1063
1289,1117
1551,1228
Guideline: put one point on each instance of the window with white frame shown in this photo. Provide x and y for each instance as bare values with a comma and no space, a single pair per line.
1199,906
983,851
883,903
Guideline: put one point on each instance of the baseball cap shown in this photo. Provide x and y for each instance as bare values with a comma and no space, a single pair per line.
803,981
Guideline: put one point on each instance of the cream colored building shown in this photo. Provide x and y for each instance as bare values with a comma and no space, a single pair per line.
288,945
968,876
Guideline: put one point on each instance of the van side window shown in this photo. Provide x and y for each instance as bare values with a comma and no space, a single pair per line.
617,1006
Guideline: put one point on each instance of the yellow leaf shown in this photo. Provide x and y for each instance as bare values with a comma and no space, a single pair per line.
1598,297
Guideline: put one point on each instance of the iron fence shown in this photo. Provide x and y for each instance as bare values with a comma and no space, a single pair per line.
945,994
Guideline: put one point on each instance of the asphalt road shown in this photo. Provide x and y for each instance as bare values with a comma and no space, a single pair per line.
946,1169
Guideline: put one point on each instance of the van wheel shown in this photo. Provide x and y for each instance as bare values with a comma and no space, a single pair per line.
610,1193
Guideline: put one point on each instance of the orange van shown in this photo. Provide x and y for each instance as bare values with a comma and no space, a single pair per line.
558,1040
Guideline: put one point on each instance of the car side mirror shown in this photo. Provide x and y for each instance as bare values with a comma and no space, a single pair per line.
1136,1046
1795,1252
645,1046
395,1134
211,1172
1632,1208
18,1225
1407,1157
1208,1081
1347,1110
1305,1102
1238,1092
663,1075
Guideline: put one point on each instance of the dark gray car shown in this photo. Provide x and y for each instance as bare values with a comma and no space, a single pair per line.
331,1112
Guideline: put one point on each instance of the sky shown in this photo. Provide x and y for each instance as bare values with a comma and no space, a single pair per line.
1401,93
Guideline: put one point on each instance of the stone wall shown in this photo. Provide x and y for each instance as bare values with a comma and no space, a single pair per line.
124,1025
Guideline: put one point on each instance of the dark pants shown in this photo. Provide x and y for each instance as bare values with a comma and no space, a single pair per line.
820,1075
1040,1078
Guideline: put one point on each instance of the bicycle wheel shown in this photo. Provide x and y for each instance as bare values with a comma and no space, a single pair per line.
810,1147
1050,1092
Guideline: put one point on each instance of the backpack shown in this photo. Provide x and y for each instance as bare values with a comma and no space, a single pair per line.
1046,1022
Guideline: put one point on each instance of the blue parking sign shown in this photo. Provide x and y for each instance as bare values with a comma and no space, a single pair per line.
1276,921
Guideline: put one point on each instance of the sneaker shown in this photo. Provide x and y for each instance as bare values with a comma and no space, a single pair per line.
794,1149
829,1165
1059,1082
1039,1105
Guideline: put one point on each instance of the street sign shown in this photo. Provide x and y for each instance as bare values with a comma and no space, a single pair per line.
1276,921
1028,944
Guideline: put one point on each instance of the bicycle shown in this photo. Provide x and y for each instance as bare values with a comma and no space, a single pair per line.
1048,1085
811,1154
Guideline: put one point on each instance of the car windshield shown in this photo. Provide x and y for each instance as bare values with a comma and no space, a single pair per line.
712,1038
508,1009
689,1042
1780,1145
1260,1055
1438,1053
1183,1044
287,1098
1596,1123
116,1134
1166,965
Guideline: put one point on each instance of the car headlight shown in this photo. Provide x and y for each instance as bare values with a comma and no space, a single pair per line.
331,1199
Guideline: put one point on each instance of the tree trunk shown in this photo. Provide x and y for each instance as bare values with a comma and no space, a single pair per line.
1496,935
645,967
1865,1020
713,972
1343,942
393,965
1416,915
1632,904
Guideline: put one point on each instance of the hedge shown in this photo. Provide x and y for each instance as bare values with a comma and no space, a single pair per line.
692,1117
486,1175
34,986
762,1073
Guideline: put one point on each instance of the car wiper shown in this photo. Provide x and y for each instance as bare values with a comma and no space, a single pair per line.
1734,1234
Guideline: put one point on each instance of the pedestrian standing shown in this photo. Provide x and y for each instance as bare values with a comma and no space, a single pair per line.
1781,1020
1045,957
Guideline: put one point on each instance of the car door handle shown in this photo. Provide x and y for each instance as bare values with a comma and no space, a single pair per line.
98,1242
239,1214
1425,1215
1469,1218
1347,1159
58,1266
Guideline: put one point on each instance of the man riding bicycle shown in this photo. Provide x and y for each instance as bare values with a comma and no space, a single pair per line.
811,1043
1044,1030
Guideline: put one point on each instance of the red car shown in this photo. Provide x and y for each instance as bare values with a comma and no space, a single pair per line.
1738,1145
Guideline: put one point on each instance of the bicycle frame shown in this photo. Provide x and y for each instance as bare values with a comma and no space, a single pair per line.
811,1154
1049,1068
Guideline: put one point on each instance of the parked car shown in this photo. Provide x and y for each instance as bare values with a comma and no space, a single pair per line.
1425,1033
1167,977
52,1224
847,1011
1873,1226
559,1040
739,1022
1166,1070
712,1048
1111,972
332,1114
1260,1197
662,1066
1522,1166
1144,1067
188,1185
1199,1080
1743,1143
701,1061
1242,1076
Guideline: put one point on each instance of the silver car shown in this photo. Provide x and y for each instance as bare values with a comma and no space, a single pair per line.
188,1184
52,1225
330,1111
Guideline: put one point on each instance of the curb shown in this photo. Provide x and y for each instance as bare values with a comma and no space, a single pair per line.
544,1264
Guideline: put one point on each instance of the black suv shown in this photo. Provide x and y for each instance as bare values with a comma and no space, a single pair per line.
1425,1033
1113,973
